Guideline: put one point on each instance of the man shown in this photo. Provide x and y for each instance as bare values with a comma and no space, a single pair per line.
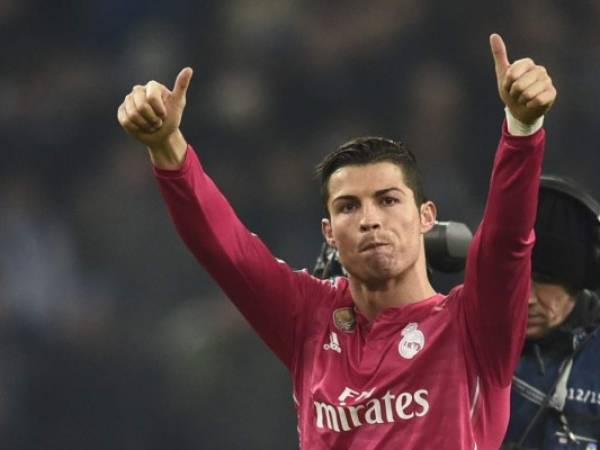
555,400
563,323
379,360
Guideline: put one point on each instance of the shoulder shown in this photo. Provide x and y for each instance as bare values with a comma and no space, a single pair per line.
324,294
590,308
595,302
454,296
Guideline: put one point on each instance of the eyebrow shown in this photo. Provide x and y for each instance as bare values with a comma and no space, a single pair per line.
385,191
378,193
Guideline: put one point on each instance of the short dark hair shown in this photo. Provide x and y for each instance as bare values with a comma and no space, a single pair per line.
370,150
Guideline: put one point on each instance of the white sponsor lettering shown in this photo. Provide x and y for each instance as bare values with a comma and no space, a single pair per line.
343,419
389,412
403,401
345,394
373,414
364,395
421,400
387,409
354,414
329,412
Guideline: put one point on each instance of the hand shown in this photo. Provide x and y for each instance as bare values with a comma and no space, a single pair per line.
524,87
152,113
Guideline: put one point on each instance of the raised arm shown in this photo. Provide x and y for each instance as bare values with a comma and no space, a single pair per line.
497,277
267,292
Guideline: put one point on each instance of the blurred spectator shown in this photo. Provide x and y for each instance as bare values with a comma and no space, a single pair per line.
40,280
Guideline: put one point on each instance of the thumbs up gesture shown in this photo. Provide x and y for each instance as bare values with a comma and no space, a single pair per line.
152,113
524,87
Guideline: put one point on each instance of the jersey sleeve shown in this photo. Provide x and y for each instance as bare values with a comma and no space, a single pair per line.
269,294
498,273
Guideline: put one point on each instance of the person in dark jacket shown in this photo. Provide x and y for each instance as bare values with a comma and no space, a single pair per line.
555,401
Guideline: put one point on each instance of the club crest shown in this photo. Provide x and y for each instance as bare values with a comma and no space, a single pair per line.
412,342
344,319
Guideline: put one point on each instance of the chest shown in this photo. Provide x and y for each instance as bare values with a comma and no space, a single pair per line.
387,371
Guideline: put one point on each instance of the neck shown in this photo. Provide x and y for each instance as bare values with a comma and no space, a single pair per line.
372,298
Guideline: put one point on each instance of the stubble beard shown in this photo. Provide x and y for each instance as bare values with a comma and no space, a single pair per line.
380,269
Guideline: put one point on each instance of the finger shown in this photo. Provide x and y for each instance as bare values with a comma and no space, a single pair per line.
516,70
182,82
499,54
144,107
155,95
124,121
533,90
134,116
523,82
543,100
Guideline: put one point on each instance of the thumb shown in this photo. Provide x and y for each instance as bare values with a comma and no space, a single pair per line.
182,82
499,54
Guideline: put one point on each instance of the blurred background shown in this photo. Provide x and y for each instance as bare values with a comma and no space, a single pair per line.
111,336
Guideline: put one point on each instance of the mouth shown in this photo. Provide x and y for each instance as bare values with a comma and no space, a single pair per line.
372,246
535,320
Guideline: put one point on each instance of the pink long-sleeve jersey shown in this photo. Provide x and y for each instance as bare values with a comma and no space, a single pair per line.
430,375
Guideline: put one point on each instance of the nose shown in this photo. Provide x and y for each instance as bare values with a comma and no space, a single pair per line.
370,219
532,297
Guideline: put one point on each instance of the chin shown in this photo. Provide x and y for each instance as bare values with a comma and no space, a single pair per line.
377,268
535,333
380,274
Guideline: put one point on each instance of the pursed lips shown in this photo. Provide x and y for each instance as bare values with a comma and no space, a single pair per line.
371,245
535,319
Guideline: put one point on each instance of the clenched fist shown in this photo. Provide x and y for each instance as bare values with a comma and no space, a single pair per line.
152,114
524,87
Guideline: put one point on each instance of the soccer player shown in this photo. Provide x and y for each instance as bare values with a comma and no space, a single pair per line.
379,360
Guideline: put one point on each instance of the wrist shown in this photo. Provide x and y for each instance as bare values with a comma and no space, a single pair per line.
518,128
170,153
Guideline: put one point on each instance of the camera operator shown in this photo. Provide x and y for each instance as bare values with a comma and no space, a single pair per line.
555,401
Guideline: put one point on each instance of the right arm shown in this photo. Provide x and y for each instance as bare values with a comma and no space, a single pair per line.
267,292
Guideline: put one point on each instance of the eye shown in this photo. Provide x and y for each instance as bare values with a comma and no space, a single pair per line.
346,208
389,200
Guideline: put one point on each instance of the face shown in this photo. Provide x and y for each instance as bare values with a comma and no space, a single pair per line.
549,306
375,223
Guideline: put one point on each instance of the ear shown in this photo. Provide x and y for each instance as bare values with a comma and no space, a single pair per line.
428,212
327,232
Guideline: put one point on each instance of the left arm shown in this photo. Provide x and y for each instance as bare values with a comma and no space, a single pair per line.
497,277
498,272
